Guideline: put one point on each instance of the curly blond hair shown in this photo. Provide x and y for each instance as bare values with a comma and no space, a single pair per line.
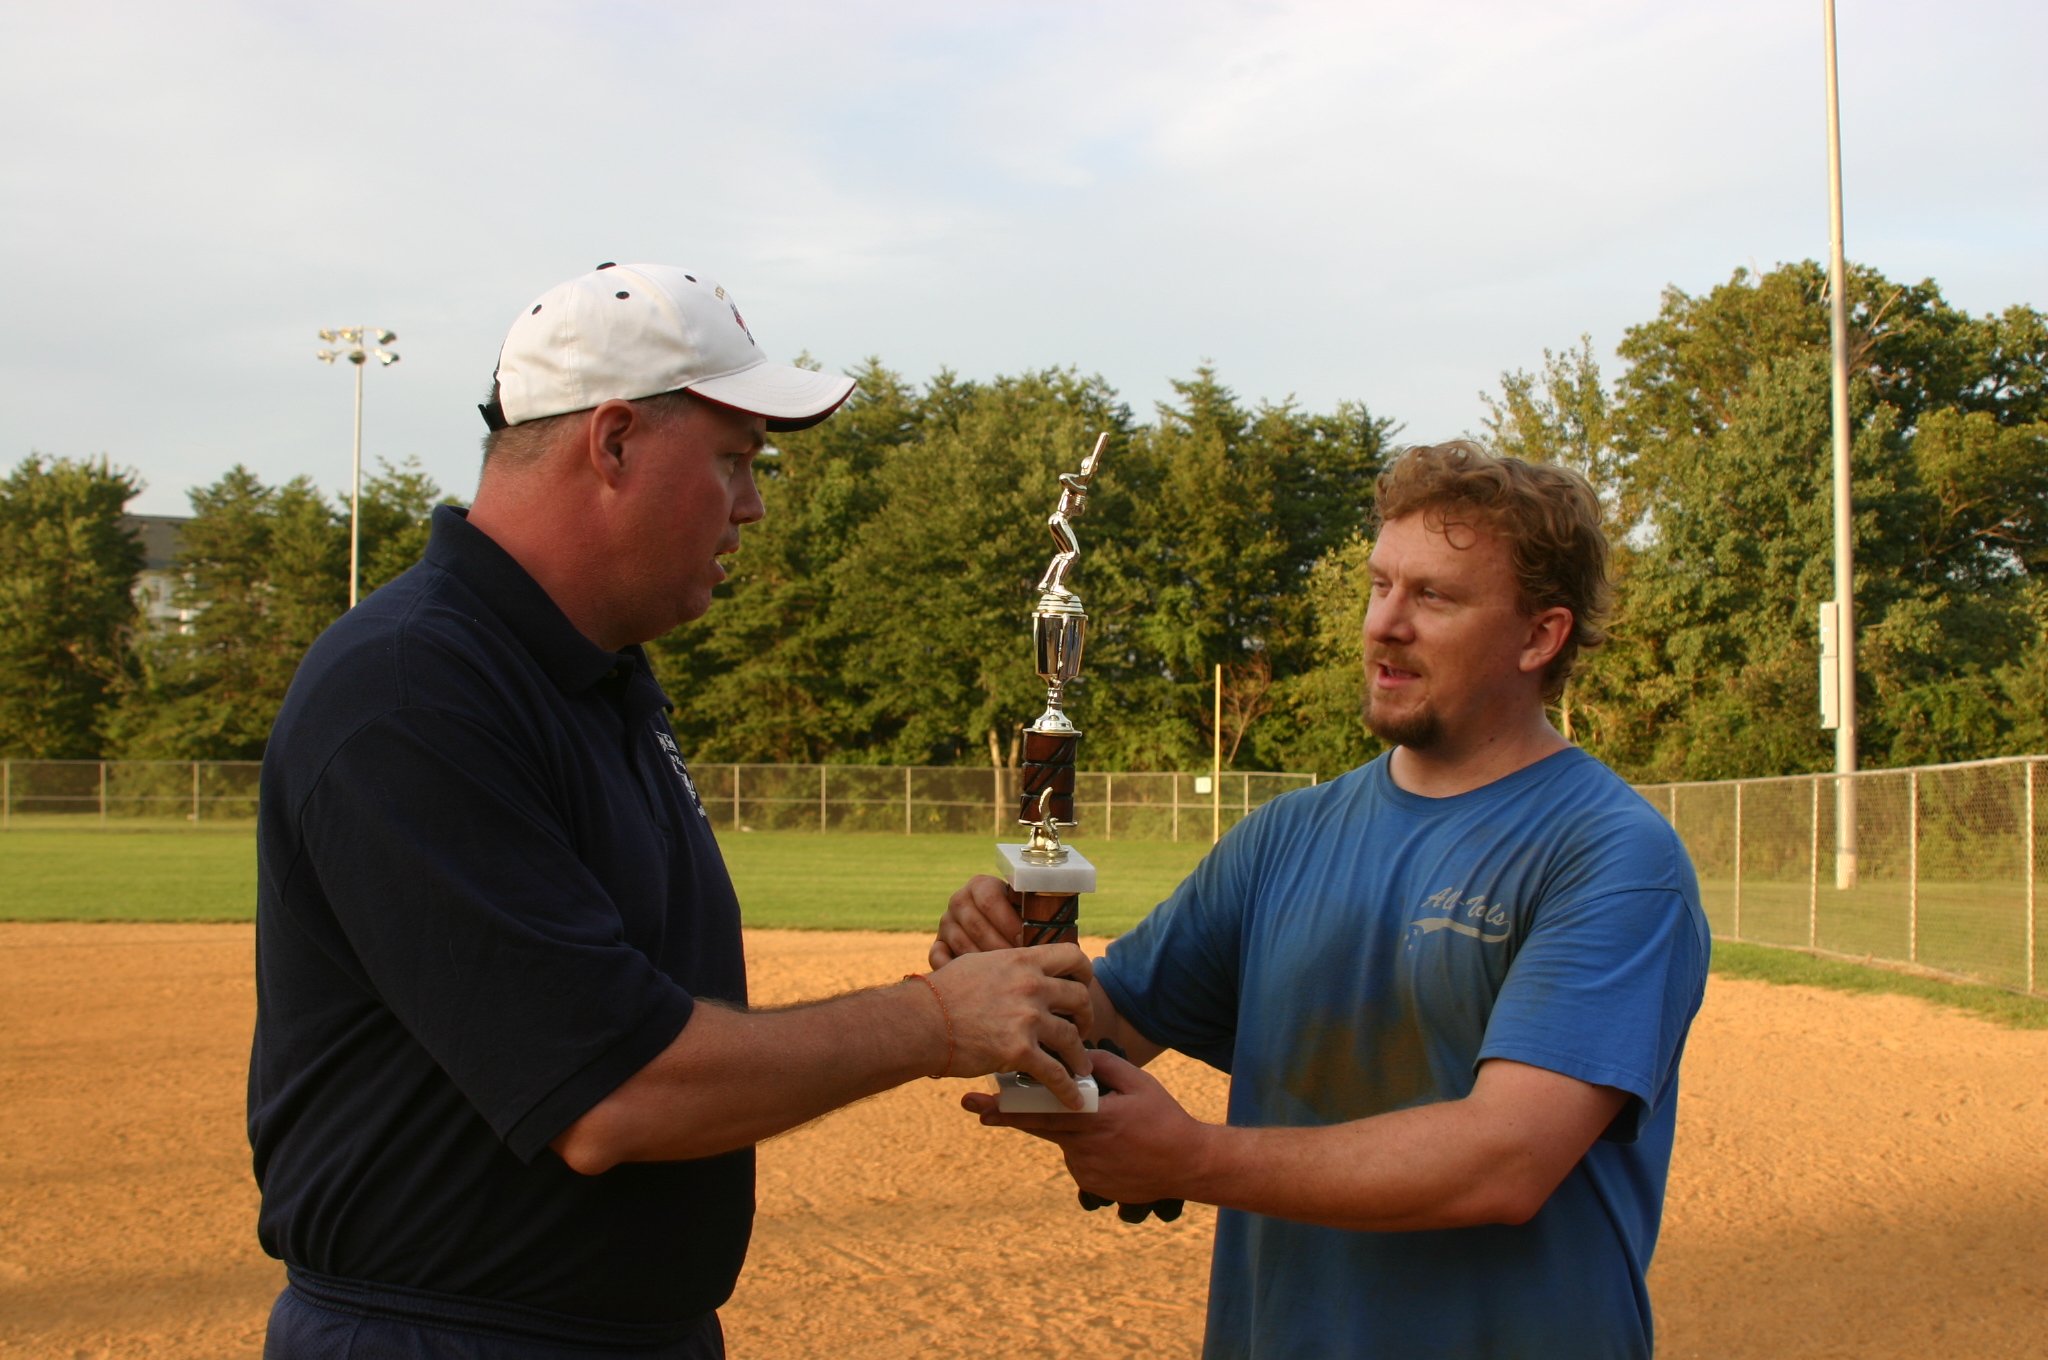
1549,516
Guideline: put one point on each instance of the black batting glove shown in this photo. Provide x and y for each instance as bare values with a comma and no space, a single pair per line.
1167,1209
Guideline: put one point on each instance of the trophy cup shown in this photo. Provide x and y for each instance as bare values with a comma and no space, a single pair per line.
1046,878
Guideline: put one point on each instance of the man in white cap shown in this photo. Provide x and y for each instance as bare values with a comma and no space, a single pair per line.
505,1087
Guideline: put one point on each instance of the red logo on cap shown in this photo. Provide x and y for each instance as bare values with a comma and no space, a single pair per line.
741,320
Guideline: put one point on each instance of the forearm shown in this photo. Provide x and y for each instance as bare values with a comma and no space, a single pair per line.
734,1078
1112,1026
1437,1166
1493,1157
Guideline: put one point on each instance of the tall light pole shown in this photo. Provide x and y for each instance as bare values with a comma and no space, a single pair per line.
361,346
1843,613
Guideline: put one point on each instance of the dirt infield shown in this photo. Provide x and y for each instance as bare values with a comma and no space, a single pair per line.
1857,1176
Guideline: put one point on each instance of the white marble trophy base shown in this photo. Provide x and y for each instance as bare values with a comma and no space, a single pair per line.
1073,875
1017,1093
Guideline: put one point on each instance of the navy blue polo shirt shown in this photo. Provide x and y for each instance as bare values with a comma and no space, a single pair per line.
486,896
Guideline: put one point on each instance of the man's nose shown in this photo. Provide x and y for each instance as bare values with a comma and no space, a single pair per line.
747,507
1387,618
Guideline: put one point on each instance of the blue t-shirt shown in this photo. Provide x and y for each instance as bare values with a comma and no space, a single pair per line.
1353,949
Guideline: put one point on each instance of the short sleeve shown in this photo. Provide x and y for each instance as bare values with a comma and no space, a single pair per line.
470,916
1603,990
1175,976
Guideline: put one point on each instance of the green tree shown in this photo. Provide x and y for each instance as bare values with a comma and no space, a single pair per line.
265,571
764,676
880,612
1712,451
396,512
1321,711
67,611
1565,415
934,593
1234,507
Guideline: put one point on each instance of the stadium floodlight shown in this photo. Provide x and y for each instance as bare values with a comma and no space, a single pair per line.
362,345
1839,615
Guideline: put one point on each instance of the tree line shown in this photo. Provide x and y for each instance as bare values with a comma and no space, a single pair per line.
262,571
878,614
1712,451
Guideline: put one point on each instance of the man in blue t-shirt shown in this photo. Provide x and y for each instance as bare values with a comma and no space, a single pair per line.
1451,988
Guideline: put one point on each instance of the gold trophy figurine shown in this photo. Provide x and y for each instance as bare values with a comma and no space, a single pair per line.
1047,878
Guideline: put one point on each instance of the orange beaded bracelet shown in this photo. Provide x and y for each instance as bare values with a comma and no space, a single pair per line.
947,1066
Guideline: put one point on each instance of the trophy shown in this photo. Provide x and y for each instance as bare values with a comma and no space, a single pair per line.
1047,878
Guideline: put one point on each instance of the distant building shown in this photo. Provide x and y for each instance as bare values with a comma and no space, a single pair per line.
161,537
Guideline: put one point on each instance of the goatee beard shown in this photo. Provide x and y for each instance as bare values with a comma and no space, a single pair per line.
1418,731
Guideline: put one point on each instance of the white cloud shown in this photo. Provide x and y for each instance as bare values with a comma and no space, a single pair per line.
1383,201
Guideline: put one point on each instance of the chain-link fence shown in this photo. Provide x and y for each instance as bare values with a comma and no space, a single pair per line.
130,793
906,800
1937,869
911,800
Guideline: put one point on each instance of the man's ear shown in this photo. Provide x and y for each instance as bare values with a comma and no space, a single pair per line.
611,428
1549,629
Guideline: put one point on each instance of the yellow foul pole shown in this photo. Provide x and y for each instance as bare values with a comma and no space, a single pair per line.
1216,765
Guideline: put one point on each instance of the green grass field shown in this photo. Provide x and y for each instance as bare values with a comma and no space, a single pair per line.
126,875
1969,925
787,880
803,881
1788,967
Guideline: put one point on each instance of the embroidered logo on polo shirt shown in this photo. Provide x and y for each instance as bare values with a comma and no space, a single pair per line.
1465,915
675,762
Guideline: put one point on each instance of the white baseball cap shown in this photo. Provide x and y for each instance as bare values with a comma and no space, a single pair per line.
638,330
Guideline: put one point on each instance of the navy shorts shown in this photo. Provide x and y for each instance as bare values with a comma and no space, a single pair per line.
301,1329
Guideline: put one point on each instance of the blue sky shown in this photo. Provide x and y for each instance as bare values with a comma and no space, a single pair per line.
1384,202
